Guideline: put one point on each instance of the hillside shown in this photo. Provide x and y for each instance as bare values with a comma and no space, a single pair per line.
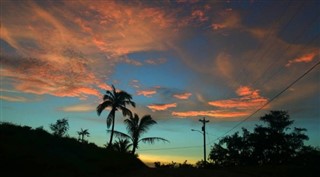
35,152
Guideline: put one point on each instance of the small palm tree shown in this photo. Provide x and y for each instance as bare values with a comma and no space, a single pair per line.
116,100
122,145
137,127
82,133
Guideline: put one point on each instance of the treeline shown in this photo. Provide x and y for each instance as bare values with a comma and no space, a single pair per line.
272,143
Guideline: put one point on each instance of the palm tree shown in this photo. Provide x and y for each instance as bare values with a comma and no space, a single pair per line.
116,100
122,145
136,127
82,133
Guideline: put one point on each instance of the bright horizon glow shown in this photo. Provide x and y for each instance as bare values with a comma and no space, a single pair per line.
180,61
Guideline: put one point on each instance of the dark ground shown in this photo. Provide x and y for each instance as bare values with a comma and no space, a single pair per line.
28,152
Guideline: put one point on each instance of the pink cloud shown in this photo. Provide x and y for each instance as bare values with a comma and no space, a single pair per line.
161,107
146,93
303,59
182,96
228,19
216,114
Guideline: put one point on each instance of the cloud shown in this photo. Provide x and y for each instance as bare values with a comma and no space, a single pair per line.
78,108
249,99
182,96
227,19
161,107
155,61
303,59
146,93
48,43
13,98
215,114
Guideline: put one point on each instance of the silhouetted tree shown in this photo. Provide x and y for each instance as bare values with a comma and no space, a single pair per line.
137,127
82,133
116,100
60,128
122,145
271,144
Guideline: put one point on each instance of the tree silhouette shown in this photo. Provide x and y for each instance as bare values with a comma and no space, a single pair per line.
137,127
116,100
60,128
271,144
82,133
122,145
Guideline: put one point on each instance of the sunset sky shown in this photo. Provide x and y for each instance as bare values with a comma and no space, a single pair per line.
181,61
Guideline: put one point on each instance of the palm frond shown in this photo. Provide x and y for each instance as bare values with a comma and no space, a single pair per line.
145,123
108,97
152,140
102,106
120,134
125,111
110,118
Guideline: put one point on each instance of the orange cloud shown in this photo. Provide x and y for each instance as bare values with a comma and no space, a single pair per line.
216,114
146,93
303,59
183,96
161,107
52,41
250,99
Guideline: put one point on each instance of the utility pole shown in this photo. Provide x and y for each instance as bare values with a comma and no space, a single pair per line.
204,121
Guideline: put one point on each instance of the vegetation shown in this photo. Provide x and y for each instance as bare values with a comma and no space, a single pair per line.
35,152
136,127
60,128
116,100
82,133
272,144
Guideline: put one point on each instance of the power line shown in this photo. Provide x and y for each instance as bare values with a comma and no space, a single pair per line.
273,98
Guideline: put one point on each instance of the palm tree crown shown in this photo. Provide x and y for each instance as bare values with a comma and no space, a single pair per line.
137,127
82,133
116,100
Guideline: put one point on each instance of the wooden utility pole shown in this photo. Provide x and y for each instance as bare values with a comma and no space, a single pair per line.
204,121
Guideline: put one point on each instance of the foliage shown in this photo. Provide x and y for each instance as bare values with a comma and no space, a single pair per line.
173,165
116,100
136,127
82,133
60,128
271,144
122,145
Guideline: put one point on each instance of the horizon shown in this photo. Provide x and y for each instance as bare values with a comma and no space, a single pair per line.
180,60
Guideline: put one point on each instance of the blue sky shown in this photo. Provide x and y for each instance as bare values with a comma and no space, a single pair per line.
180,60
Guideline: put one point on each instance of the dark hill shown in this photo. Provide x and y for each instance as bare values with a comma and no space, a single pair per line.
35,152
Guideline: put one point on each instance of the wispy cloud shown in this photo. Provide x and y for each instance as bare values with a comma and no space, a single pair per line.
182,96
155,61
13,98
215,114
161,107
146,93
303,59
78,108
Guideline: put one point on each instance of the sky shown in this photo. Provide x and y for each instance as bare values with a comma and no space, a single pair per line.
180,60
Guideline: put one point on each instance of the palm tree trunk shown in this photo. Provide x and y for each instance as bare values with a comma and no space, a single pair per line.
134,147
113,111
